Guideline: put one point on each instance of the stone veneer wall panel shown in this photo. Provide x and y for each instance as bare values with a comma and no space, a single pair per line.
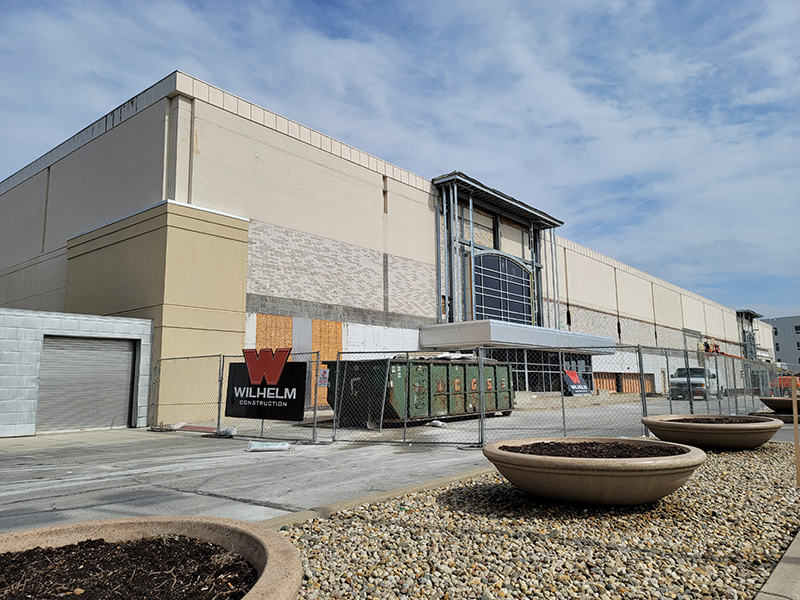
593,322
637,333
294,265
412,287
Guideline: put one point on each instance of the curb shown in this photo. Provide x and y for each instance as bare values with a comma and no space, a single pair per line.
328,509
784,582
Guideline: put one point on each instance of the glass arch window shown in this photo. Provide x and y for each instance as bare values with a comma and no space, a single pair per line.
502,289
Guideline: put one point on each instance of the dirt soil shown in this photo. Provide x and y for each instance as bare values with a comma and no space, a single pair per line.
719,420
595,449
169,567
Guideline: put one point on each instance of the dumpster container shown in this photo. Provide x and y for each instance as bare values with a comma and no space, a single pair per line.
374,393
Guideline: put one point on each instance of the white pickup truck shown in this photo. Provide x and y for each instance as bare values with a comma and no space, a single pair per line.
704,384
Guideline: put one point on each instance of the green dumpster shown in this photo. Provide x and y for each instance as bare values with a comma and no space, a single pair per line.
374,393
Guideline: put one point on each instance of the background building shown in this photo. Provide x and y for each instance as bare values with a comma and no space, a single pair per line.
228,225
786,340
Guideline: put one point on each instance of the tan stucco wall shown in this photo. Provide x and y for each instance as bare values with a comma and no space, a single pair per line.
35,284
183,267
118,173
22,222
635,297
590,280
667,307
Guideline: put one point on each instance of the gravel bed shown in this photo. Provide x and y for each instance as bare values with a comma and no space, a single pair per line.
719,536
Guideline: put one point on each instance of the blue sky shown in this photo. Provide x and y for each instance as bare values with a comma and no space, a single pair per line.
664,134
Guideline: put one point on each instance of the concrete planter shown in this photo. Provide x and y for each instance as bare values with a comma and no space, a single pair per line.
782,406
730,436
611,481
273,556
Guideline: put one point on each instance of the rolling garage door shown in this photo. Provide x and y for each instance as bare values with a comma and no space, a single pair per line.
85,383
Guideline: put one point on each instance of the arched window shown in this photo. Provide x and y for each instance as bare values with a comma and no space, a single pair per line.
502,289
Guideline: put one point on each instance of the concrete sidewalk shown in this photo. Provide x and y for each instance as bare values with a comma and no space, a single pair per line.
62,478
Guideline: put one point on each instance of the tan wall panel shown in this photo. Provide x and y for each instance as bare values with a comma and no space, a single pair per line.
667,307
121,275
177,342
591,283
635,296
548,280
22,221
511,241
715,324
182,267
693,315
114,175
764,339
37,284
206,268
731,325
412,223
247,169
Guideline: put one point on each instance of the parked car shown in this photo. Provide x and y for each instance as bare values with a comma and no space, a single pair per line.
782,386
703,382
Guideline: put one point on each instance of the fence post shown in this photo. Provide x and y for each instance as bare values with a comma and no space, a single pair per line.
642,389
668,387
561,387
337,407
219,393
408,396
689,391
153,417
482,392
316,399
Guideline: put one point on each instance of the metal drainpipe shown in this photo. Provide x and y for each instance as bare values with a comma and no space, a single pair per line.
446,224
555,280
453,243
439,258
546,253
472,254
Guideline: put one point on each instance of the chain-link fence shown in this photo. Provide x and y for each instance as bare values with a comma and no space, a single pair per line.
191,394
473,397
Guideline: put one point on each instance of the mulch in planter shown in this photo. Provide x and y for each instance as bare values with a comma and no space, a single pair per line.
595,449
718,420
168,567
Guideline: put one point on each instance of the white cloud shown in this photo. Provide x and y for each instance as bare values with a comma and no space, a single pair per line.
665,135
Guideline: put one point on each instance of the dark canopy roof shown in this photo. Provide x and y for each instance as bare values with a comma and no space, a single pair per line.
497,199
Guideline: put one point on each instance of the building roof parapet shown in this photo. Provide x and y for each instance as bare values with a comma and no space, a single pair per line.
179,83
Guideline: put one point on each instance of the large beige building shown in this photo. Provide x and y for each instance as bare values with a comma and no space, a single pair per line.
230,226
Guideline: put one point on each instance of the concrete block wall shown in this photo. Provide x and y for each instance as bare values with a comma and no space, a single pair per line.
21,339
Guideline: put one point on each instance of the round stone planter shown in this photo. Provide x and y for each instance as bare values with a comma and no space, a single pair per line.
728,436
271,554
610,481
782,406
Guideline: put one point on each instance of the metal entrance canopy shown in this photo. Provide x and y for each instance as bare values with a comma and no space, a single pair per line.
491,333
495,198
